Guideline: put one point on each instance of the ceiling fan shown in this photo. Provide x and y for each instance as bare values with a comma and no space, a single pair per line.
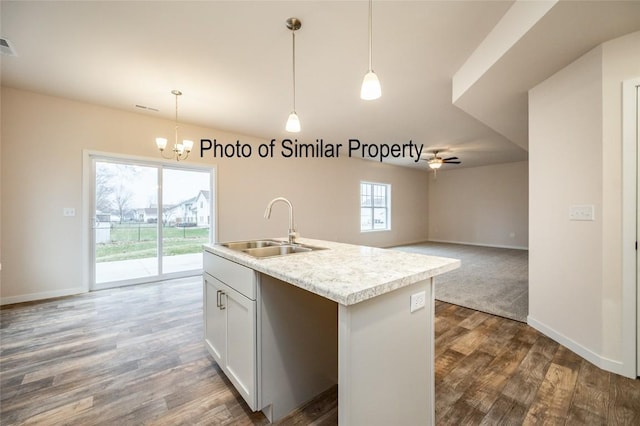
436,161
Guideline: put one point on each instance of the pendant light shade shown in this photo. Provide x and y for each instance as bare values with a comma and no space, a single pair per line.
370,84
370,87
293,122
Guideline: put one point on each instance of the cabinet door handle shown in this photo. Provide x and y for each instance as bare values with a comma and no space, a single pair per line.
218,298
222,293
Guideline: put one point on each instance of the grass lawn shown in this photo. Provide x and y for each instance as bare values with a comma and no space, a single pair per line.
138,241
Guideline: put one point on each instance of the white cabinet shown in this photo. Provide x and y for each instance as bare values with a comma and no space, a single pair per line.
241,366
275,342
215,319
230,322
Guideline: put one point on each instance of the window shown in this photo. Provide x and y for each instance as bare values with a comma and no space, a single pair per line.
375,206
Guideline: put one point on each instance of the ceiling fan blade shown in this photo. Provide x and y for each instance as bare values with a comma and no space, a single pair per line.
451,158
452,162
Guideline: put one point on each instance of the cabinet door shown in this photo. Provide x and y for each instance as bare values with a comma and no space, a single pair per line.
241,365
215,319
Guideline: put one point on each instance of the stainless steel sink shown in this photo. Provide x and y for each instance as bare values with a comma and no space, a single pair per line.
242,245
269,248
276,250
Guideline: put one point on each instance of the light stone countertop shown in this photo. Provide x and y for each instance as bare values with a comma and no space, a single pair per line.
344,273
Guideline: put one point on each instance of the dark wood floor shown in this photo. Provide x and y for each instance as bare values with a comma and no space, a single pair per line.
135,356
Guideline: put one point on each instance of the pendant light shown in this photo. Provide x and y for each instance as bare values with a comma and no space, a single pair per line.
181,150
293,123
370,84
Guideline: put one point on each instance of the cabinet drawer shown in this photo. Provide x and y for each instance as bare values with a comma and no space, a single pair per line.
236,276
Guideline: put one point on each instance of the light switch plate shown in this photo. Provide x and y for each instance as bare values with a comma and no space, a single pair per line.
583,212
69,211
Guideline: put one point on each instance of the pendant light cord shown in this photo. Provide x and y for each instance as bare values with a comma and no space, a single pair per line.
176,140
370,31
293,33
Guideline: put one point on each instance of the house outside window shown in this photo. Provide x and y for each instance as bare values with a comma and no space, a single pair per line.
375,206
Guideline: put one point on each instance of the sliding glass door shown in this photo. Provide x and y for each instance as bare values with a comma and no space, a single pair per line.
149,221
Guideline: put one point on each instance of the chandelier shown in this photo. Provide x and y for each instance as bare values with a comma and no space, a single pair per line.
180,150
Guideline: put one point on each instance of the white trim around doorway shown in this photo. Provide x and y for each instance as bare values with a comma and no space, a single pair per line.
630,277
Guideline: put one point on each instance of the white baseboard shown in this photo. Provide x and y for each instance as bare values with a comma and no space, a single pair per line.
604,363
408,243
40,296
479,244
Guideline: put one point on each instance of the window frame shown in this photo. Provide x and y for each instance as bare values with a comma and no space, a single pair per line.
373,207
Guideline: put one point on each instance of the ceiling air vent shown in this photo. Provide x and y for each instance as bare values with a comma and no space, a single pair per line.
6,48
147,107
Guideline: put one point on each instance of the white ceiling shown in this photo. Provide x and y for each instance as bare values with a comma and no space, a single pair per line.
232,61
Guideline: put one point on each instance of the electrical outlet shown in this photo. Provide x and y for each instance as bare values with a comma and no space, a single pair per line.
69,211
418,300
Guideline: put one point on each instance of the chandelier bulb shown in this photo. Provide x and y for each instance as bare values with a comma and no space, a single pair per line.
161,143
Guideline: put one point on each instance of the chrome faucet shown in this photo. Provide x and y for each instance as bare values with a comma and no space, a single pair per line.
292,234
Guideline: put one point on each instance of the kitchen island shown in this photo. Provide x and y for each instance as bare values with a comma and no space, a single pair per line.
285,328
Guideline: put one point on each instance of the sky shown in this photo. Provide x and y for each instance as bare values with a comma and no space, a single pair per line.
142,181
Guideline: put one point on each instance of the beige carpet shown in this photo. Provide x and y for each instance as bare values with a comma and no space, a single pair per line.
492,280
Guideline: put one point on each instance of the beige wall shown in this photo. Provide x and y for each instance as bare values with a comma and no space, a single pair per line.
43,139
575,268
480,205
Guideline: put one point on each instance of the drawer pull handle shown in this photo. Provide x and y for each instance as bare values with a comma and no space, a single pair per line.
222,293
